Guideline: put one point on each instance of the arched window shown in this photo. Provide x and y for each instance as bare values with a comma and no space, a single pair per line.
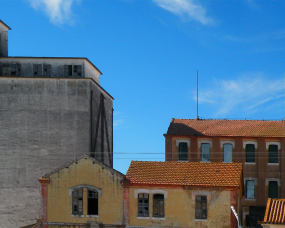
77,202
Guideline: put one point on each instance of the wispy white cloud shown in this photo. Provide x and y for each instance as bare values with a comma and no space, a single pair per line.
248,94
118,120
188,8
59,11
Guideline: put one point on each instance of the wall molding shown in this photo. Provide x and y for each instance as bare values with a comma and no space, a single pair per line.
156,191
90,187
249,142
273,143
204,141
183,141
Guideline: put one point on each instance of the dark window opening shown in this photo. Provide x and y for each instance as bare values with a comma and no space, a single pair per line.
77,202
273,154
69,70
77,69
13,70
183,151
92,202
143,205
201,207
273,189
249,153
158,205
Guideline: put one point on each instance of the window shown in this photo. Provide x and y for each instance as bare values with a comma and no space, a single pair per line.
143,204
250,153
92,203
273,189
37,69
205,152
158,205
201,207
77,202
273,154
72,70
77,69
227,151
47,69
250,189
183,151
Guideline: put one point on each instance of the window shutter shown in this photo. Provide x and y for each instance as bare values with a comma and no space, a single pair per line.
228,151
250,189
67,70
205,152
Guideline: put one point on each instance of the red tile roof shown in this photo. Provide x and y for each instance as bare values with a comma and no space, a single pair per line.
185,173
275,211
207,127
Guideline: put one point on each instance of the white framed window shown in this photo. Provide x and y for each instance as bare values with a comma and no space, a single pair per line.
227,152
250,183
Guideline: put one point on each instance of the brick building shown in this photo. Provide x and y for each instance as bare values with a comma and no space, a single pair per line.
259,145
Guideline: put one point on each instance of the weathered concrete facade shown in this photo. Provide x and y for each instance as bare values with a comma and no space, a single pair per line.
52,110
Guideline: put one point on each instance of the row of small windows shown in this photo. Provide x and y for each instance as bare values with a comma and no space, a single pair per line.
272,189
227,152
77,202
158,206
42,70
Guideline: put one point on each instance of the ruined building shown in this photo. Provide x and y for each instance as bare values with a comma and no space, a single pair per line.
52,110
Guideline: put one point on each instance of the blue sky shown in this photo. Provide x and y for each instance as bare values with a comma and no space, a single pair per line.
149,52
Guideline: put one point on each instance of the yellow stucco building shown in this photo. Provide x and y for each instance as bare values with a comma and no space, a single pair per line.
82,193
182,194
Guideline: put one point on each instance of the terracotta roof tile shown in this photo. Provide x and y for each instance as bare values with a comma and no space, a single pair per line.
185,173
207,127
275,211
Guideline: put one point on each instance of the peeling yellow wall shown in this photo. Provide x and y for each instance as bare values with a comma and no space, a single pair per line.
110,205
179,209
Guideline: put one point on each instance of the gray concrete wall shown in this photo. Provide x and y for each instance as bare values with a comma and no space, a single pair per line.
44,123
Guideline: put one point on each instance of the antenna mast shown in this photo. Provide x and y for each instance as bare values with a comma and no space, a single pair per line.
197,96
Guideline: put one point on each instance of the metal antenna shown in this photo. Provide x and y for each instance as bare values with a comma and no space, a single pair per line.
197,96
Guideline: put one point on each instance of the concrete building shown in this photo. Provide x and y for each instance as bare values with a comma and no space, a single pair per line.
82,193
259,145
52,110
182,194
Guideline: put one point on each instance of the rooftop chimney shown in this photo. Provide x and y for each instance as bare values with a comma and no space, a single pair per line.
4,39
